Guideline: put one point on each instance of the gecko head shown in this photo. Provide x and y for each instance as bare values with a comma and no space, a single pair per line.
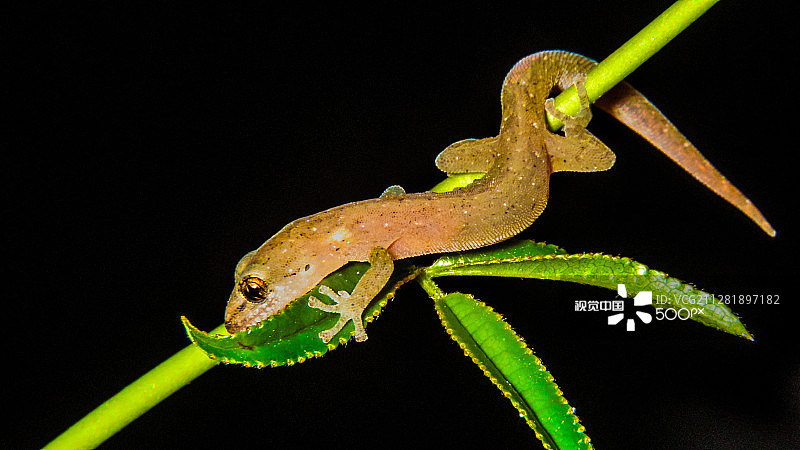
251,301
265,283
253,297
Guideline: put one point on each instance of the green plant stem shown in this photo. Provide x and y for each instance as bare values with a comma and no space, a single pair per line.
632,54
432,289
190,363
136,399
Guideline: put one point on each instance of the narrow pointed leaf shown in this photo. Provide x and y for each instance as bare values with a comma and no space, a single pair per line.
505,359
597,270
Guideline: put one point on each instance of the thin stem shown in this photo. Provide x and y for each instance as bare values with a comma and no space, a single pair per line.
432,289
632,54
136,399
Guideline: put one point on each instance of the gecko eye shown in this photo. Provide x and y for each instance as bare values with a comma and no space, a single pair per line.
253,289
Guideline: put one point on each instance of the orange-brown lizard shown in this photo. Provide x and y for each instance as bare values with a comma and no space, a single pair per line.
513,192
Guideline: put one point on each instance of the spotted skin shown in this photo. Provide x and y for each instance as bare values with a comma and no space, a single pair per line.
513,192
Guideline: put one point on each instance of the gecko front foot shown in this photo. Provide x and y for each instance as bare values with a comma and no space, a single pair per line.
573,125
352,306
348,308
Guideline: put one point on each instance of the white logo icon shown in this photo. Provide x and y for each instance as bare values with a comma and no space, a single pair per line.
641,299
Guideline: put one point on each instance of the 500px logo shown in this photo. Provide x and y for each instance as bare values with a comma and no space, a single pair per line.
641,299
678,314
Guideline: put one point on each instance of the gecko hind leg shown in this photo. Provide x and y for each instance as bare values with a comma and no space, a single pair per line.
573,125
578,150
352,306
468,155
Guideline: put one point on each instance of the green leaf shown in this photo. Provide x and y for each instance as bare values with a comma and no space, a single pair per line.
292,336
597,270
505,359
514,248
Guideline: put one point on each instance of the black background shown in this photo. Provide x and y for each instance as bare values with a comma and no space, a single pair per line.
154,147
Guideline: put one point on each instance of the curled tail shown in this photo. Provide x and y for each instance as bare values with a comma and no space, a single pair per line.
630,107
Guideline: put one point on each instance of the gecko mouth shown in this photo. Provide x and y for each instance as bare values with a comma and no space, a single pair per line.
236,318
239,319
242,316
234,326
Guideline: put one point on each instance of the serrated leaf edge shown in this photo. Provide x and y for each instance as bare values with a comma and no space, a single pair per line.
507,388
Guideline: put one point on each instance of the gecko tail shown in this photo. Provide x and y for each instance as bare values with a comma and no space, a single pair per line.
630,107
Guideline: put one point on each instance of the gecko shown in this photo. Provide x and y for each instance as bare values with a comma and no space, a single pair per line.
513,192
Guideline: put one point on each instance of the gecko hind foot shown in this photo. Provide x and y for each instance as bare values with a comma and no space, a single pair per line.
346,306
468,155
573,125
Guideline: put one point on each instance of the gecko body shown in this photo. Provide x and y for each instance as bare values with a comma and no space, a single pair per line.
507,199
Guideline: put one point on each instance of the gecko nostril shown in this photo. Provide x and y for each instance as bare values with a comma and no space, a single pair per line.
232,327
